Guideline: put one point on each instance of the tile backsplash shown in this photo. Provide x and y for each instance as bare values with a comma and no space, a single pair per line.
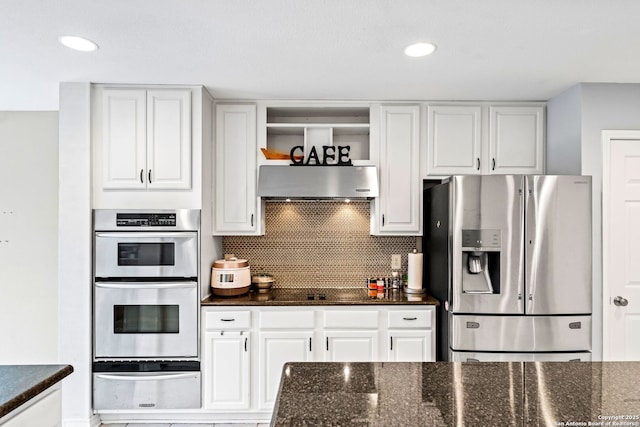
319,244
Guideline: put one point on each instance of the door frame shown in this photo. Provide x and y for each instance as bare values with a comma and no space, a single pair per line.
607,137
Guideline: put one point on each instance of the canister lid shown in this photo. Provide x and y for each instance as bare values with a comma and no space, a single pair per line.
230,263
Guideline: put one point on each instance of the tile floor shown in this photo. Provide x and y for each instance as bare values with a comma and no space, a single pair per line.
184,425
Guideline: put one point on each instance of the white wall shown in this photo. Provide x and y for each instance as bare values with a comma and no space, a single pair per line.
29,237
598,107
75,238
563,150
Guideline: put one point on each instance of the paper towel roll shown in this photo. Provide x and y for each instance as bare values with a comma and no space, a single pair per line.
414,271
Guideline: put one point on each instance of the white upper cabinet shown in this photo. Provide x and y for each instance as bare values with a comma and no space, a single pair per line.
145,139
516,139
237,208
397,210
169,139
485,139
454,139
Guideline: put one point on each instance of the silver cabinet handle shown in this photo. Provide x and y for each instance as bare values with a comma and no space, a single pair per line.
478,163
227,320
149,176
410,318
620,302
141,176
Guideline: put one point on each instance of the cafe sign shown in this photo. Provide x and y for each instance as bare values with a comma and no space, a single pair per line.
329,156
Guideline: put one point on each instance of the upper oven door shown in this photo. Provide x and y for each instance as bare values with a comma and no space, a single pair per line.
146,254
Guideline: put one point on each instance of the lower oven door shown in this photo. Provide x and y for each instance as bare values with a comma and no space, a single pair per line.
146,320
149,390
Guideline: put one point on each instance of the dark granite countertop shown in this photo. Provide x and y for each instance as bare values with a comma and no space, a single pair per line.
459,394
21,383
320,296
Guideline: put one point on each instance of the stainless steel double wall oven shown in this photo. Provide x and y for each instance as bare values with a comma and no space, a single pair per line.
146,309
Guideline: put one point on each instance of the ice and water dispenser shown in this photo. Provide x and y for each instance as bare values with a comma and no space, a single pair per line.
481,261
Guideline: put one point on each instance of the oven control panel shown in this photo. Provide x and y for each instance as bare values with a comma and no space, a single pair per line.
146,219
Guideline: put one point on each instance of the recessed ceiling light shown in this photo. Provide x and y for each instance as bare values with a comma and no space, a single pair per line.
78,43
420,49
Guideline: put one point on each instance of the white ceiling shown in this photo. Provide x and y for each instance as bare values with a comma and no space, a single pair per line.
320,49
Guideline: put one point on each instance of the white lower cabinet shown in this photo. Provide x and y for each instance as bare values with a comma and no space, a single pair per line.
241,379
226,361
410,346
351,346
43,410
274,350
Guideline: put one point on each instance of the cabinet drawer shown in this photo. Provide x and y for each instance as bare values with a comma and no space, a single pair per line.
351,319
227,319
411,319
287,319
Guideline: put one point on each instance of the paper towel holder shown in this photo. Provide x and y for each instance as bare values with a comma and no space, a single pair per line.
414,291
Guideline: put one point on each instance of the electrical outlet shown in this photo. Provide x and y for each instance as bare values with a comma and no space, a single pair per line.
396,261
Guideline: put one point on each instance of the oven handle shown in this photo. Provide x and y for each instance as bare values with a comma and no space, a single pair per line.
146,235
139,285
144,377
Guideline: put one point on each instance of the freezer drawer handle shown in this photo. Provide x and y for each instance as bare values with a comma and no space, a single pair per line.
227,320
410,318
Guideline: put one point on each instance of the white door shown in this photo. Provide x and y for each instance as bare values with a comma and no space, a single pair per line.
410,346
454,140
516,140
398,207
123,122
351,346
169,139
226,371
275,349
621,246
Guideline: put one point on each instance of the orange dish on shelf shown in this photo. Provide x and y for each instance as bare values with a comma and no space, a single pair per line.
278,155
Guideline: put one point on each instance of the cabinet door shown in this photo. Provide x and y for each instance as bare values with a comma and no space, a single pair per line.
411,346
236,203
169,139
43,410
399,204
351,346
226,370
275,349
516,137
454,140
123,122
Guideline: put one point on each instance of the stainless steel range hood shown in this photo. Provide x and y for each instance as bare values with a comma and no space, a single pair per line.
318,182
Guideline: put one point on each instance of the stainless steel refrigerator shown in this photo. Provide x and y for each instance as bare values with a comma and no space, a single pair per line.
509,258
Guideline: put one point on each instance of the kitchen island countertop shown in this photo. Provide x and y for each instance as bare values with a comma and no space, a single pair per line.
454,393
320,296
21,383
